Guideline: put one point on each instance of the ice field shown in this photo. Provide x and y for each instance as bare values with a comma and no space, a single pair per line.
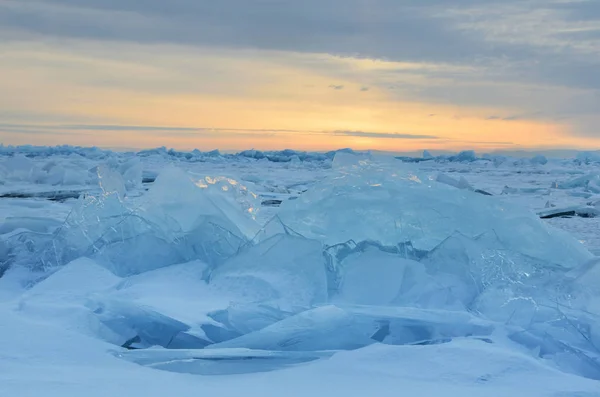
293,274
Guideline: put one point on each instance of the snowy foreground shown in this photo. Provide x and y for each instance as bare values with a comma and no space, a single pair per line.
290,274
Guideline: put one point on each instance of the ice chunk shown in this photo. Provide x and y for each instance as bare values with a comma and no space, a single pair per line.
285,155
168,307
464,156
594,185
589,180
19,167
77,279
477,265
408,325
273,227
200,215
97,225
139,253
348,159
374,277
539,160
337,254
177,221
349,327
56,174
243,318
132,173
186,203
323,328
462,183
38,225
178,291
4,252
503,305
525,190
562,355
111,182
285,269
219,361
582,211
141,327
589,157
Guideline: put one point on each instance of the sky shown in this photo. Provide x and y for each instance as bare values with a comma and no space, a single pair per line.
394,75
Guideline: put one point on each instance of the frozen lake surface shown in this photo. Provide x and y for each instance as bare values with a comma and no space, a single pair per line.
289,273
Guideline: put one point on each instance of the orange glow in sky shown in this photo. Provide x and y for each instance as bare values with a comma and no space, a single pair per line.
140,96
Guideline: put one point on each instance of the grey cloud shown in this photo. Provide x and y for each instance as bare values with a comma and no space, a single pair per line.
514,117
420,31
584,34
33,131
579,10
379,28
384,135
190,131
503,143
336,87
428,31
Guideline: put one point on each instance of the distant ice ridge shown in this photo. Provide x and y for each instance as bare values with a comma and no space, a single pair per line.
469,156
19,168
287,155
278,156
49,151
375,253
589,157
52,171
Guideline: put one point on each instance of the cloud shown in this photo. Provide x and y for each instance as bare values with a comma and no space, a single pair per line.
527,116
65,129
578,10
384,135
20,130
515,117
388,29
510,39
541,57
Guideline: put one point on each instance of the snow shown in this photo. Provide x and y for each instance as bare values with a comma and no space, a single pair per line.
165,272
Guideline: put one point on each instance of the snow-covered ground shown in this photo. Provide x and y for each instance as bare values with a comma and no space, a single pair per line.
288,273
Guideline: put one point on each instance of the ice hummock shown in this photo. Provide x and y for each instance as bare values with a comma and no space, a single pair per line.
377,253
395,204
396,237
177,220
